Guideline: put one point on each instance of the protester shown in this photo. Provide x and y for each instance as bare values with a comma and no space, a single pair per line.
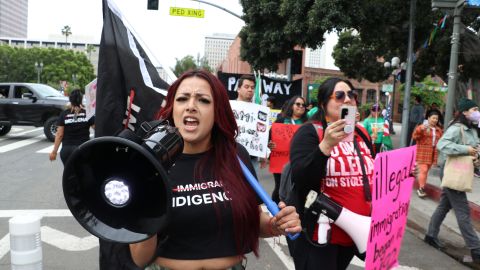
295,115
245,91
325,166
313,110
426,136
374,124
434,107
73,128
452,144
416,117
215,233
271,102
246,88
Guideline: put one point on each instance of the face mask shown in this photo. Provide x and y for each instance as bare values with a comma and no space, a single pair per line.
474,116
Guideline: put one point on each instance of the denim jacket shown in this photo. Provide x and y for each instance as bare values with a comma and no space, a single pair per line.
451,143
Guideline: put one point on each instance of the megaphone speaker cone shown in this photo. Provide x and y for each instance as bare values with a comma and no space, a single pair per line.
117,190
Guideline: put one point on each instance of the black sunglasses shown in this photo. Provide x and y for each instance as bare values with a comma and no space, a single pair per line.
340,95
300,104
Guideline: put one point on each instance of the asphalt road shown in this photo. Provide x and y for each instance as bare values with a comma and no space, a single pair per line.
30,183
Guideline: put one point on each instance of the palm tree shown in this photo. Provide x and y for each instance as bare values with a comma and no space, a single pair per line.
66,31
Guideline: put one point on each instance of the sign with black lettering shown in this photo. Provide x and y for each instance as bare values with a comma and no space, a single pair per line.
252,121
392,187
281,90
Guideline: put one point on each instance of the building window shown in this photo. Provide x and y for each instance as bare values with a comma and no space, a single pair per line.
371,95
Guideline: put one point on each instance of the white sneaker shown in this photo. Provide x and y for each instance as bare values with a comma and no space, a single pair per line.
421,193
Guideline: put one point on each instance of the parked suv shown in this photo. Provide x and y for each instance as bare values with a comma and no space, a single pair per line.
30,104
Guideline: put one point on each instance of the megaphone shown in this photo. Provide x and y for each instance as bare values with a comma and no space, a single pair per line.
355,225
117,187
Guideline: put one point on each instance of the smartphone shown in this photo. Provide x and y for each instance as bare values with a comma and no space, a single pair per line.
349,114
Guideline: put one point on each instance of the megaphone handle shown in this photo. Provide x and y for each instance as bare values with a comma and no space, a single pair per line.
271,205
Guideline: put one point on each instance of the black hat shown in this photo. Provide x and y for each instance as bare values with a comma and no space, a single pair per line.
466,104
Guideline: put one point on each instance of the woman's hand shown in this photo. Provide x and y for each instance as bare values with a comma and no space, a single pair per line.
271,145
53,156
472,151
286,221
332,136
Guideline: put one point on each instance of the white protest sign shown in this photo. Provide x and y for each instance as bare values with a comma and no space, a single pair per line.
252,120
90,97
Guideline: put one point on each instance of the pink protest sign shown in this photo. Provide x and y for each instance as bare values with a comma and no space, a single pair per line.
392,186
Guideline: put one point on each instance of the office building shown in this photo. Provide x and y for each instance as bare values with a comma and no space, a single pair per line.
216,48
13,18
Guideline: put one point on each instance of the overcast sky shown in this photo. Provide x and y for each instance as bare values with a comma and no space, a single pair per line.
166,37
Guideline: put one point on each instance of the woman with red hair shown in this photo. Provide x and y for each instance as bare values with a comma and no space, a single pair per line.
216,217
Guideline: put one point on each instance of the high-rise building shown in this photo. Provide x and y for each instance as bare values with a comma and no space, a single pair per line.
13,18
216,48
322,57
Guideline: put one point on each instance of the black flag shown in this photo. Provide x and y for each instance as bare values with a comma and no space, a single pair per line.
129,89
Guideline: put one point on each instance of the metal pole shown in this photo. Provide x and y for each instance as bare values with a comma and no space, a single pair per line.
222,8
452,72
392,131
289,69
38,75
408,84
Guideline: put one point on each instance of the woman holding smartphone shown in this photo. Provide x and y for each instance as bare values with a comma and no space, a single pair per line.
339,168
427,136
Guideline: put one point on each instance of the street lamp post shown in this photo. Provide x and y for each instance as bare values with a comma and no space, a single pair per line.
394,64
39,67
74,79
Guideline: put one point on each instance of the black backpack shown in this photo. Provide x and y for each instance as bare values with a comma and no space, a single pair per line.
286,190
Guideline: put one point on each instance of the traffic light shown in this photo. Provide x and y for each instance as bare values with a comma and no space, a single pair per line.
152,5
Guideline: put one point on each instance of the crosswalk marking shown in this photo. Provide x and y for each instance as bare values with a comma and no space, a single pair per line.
9,136
67,241
56,238
38,212
49,149
4,245
22,143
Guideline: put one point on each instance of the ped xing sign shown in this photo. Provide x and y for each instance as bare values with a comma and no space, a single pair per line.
187,12
387,88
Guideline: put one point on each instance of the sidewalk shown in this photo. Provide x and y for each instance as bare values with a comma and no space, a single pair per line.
421,210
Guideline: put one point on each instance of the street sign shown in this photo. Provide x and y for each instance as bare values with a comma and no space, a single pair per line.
187,12
387,88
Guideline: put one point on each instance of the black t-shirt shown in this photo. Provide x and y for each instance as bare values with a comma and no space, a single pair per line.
76,127
194,231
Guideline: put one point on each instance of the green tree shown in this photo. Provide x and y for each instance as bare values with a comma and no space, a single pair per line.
18,64
371,30
66,31
184,64
89,50
428,90
189,63
204,64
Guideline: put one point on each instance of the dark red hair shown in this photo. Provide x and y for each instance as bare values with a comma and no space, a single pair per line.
223,156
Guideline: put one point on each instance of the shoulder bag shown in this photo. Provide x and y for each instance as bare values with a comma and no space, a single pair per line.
458,171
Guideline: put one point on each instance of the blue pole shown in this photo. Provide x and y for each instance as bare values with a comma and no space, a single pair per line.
271,205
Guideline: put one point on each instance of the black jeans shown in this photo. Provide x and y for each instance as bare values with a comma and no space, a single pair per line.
331,257
275,195
66,152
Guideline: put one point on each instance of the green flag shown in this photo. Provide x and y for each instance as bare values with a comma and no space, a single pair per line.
258,88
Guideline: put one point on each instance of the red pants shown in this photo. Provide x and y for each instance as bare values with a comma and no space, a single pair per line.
422,174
